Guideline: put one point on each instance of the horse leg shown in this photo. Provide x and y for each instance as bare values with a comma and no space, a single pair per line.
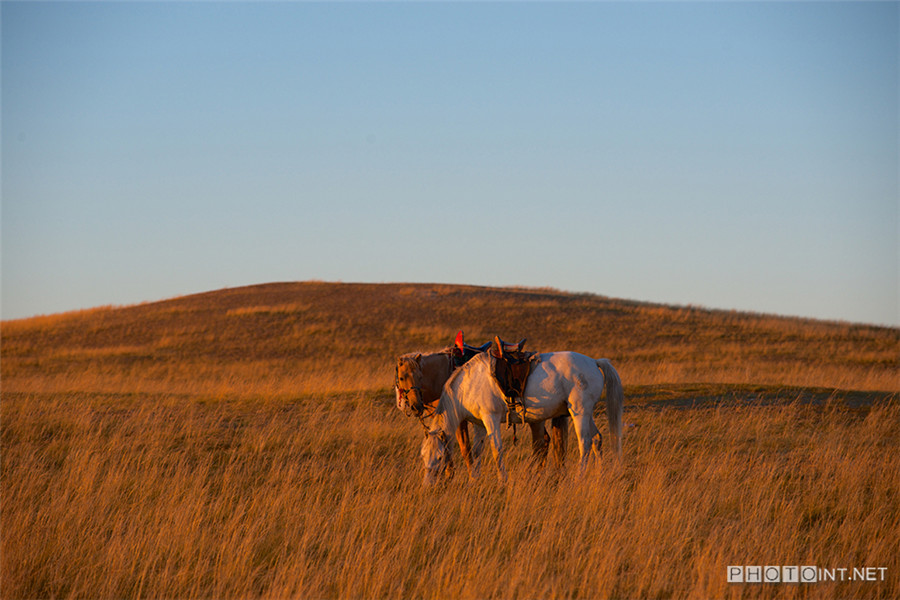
540,442
584,431
492,425
559,433
477,446
465,448
596,441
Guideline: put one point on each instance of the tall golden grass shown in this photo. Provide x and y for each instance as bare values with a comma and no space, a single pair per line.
174,497
245,444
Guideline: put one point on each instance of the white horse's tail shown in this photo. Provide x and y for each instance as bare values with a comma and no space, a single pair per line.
615,400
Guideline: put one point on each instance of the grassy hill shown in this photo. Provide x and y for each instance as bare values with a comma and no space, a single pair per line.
243,444
296,338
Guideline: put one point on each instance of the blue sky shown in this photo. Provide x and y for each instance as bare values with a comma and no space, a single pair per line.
728,155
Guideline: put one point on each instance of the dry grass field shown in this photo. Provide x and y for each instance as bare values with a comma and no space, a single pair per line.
243,443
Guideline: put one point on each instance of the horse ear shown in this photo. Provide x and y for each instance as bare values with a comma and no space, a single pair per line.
417,357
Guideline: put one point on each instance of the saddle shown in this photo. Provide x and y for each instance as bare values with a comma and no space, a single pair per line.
511,366
461,352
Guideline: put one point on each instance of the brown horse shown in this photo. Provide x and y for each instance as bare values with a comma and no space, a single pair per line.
419,379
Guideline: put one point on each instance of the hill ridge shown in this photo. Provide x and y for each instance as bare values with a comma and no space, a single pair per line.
281,336
516,289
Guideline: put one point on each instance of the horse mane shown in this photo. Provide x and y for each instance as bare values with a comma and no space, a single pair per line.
456,374
412,355
451,381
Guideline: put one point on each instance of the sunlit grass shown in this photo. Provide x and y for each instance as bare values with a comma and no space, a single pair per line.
110,497
245,444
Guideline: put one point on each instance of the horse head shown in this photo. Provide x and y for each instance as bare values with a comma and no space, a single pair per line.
436,457
408,385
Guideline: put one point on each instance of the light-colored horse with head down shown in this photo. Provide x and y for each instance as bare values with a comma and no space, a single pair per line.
562,383
419,379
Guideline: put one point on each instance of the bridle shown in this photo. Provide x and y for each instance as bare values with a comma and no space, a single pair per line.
403,393
421,410
425,412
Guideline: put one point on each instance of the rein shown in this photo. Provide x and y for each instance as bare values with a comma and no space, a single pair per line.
426,415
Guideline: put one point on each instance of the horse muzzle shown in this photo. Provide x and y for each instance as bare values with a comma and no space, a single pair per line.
436,459
409,402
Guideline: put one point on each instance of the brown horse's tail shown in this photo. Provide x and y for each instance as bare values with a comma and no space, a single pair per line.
615,400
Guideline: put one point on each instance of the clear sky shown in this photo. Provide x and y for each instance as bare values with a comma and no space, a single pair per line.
727,155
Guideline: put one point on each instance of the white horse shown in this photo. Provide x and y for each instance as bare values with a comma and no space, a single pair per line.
560,383
418,383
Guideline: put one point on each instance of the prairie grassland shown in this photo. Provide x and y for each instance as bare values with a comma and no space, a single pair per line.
244,443
190,497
